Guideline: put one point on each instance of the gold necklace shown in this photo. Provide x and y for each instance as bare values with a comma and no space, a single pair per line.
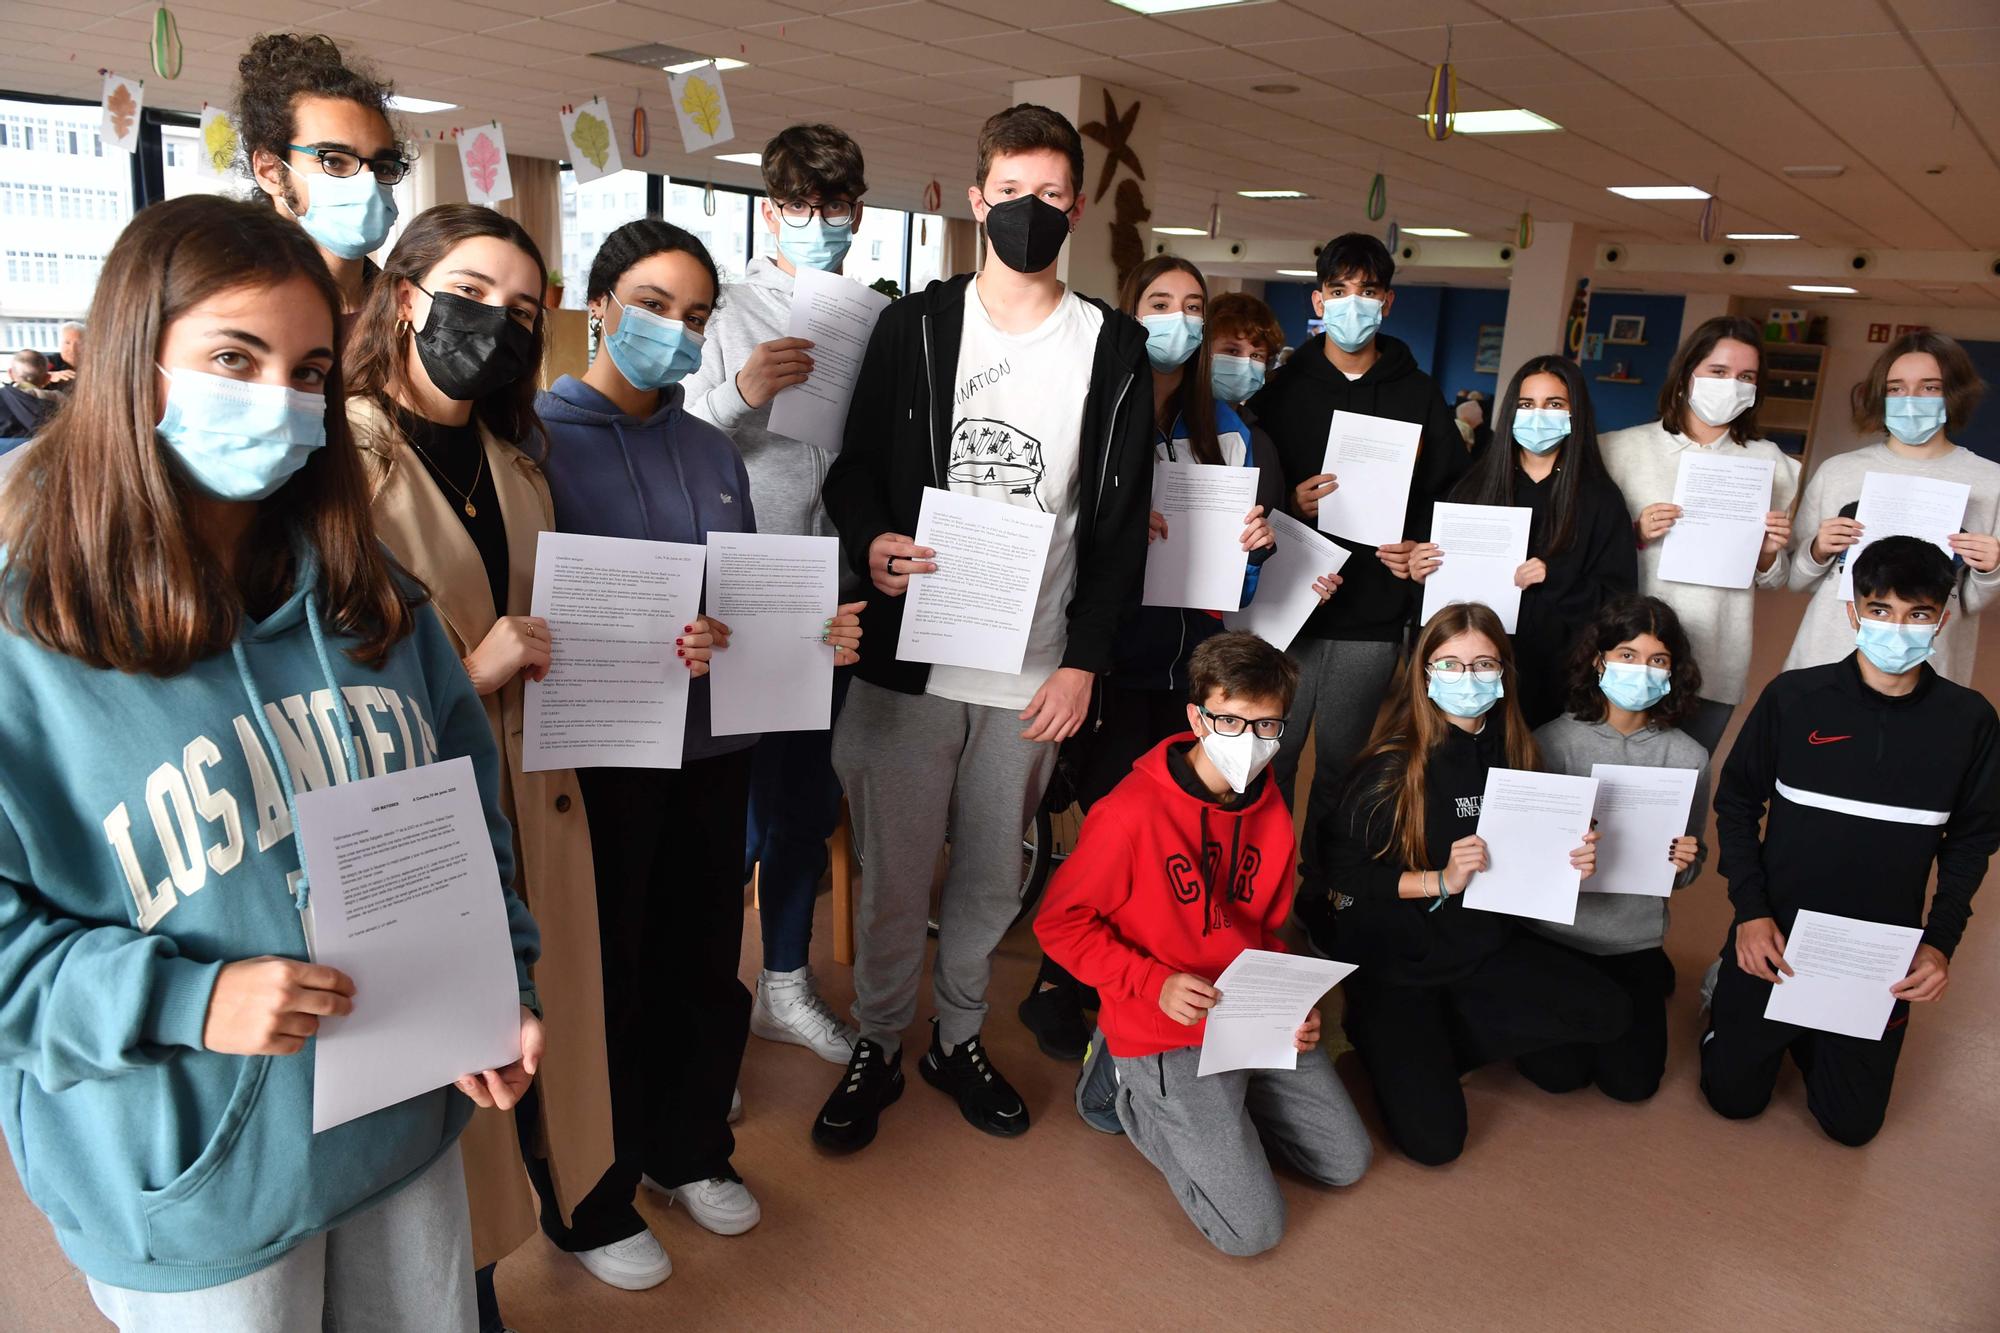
471,511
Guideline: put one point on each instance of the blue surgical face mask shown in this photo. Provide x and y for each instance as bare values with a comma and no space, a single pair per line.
1895,648
1235,379
1468,696
1351,320
1171,338
349,216
652,351
1913,420
239,440
819,244
1634,686
1540,429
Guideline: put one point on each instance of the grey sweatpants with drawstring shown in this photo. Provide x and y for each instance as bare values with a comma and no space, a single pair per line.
1209,1136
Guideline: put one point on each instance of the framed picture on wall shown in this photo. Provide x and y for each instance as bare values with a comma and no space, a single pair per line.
1593,347
1486,357
1626,330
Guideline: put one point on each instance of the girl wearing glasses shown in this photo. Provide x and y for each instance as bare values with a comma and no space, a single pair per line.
1632,681
1579,540
1441,989
317,142
443,358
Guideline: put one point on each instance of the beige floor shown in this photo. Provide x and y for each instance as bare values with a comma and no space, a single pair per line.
1565,1213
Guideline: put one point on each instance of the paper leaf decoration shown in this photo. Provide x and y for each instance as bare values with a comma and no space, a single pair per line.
702,108
219,143
482,153
123,99
593,148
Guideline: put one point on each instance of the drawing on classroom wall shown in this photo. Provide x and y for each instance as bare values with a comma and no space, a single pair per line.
482,152
702,108
122,101
218,143
1486,355
1626,330
1593,347
593,148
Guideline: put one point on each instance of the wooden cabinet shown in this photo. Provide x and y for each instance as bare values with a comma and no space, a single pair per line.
1793,381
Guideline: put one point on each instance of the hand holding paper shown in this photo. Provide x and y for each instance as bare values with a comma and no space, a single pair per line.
1374,458
1483,546
1200,561
1895,505
1286,591
1717,539
834,316
1265,997
1531,824
1841,974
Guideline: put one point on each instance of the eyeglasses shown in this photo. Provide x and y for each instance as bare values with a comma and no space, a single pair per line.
1450,669
389,169
1227,724
834,212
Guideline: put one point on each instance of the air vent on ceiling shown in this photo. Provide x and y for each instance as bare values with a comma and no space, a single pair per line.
654,55
1815,173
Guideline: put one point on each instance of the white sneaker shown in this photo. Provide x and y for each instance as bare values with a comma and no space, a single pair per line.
735,1115
633,1264
789,1008
724,1206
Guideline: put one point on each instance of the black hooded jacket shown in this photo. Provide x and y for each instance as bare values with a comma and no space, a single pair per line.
897,441
1297,409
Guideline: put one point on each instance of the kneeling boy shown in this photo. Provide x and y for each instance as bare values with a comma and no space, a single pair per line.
1874,768
1185,864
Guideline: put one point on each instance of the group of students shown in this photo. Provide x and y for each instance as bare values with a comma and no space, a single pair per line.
282,536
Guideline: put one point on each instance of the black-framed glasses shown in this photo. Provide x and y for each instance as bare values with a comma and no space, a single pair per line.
1228,724
389,169
1451,669
833,212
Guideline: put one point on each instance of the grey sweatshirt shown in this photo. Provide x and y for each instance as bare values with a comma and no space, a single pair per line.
1608,923
785,475
1824,634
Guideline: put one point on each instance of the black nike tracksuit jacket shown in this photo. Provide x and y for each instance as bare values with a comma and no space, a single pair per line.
1865,792
897,443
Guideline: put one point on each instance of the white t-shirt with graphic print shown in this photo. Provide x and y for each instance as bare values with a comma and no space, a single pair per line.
1016,418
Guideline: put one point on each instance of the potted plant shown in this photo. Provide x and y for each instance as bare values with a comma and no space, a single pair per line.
552,298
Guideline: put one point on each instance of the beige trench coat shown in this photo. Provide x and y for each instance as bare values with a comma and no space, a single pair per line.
551,838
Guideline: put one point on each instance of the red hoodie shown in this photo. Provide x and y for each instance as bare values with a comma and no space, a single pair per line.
1162,881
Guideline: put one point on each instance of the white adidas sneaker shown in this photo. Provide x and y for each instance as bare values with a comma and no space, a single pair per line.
789,1008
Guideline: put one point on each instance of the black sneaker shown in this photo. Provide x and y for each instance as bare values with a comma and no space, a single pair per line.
1053,1011
848,1120
985,1099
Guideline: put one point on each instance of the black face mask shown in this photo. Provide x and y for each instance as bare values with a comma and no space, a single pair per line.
1026,233
471,350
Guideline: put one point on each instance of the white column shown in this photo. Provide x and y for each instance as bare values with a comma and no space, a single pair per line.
1700,307
1114,234
1542,292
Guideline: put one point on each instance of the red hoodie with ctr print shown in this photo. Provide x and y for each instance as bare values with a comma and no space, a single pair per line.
1162,881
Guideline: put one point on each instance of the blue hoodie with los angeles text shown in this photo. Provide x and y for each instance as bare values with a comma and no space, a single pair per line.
145,841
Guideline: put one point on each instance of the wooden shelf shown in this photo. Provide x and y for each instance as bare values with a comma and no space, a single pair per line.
1618,379
1794,417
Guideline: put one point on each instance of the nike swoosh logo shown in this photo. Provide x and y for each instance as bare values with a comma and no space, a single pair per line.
1817,739
1010,1114
835,1124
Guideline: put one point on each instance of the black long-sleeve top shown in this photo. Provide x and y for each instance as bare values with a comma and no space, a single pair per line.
1355,912
1599,562
1865,793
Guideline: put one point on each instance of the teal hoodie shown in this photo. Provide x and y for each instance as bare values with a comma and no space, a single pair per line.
145,841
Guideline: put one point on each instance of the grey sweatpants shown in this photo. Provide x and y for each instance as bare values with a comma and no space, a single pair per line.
1341,684
406,1263
1208,1136
913,766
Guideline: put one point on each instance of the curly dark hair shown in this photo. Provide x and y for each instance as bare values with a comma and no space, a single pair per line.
281,67
642,239
1621,620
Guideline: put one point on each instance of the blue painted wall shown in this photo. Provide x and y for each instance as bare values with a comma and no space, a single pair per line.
1465,309
1983,435
1621,405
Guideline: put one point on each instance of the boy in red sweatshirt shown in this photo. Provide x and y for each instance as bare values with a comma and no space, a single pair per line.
1185,864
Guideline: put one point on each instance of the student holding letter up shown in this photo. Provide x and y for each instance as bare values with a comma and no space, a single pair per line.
1441,990
1347,650
627,460
1579,540
197,626
1873,770
1632,678
1011,389
1709,402
1921,390
1186,864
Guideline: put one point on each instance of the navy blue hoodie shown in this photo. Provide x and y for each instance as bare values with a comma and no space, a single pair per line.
671,477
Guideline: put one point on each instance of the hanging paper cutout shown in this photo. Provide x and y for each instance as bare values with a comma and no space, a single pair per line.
642,132
933,196
1524,231
1378,198
165,45
1393,236
701,107
482,154
219,143
123,100
593,148
1441,106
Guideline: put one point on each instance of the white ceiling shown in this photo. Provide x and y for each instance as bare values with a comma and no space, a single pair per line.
1717,93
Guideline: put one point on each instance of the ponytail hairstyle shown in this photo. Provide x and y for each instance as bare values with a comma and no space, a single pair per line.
1409,727
1579,464
1196,396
